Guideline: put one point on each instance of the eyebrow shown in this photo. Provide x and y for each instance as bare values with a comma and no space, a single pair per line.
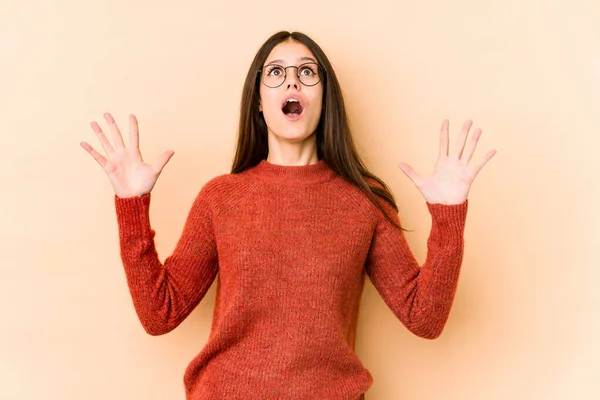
301,59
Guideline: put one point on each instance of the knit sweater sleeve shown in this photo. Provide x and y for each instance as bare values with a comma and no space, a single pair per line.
164,294
420,296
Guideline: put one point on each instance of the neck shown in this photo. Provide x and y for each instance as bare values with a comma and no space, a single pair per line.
286,153
286,175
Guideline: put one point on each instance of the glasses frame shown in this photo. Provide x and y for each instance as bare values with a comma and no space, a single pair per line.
320,69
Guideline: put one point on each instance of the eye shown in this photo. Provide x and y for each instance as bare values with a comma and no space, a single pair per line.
274,70
308,70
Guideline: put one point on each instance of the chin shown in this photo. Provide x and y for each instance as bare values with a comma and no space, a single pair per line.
294,136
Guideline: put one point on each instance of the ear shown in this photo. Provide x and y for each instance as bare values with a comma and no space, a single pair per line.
259,105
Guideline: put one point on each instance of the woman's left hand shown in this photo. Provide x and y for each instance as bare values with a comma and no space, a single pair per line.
453,173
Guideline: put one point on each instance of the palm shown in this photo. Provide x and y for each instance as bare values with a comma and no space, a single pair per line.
453,174
129,175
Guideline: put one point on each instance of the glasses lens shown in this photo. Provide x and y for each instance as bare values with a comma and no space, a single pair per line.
309,74
273,75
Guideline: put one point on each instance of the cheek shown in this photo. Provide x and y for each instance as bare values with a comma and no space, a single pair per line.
318,102
268,102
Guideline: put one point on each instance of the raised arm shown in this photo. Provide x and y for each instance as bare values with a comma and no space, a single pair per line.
421,297
163,294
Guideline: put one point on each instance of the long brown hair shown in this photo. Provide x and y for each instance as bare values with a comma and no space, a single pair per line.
334,141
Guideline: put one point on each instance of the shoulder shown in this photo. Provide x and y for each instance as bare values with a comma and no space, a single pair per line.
226,189
218,183
355,199
365,203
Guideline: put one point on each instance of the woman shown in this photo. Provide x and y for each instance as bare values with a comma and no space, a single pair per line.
291,233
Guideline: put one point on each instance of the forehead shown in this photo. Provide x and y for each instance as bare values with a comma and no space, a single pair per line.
290,53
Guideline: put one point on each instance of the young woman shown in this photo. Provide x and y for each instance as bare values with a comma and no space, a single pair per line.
290,234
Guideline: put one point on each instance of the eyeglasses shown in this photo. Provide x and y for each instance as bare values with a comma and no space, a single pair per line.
273,75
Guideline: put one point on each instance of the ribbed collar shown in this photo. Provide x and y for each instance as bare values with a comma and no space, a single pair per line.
292,175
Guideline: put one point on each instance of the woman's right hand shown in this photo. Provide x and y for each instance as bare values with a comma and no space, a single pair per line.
129,175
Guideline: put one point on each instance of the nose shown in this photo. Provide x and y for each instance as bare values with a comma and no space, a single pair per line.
291,78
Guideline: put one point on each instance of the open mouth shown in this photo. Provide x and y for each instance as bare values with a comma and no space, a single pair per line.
292,108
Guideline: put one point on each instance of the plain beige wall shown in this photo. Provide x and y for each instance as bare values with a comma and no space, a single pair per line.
526,320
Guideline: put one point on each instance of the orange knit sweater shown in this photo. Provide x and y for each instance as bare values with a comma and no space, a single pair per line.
290,247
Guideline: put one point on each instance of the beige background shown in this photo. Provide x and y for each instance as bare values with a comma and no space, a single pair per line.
526,321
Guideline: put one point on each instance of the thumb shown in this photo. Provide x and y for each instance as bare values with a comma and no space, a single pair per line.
410,172
163,159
